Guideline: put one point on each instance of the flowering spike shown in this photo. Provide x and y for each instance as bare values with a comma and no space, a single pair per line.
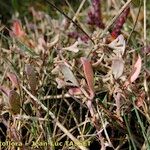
120,22
95,14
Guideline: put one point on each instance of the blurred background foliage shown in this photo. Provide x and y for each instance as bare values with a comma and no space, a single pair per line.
9,7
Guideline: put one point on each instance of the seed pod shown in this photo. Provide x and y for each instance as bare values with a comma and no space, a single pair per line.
31,76
14,102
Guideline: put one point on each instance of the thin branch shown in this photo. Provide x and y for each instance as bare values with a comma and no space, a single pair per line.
78,11
70,19
135,22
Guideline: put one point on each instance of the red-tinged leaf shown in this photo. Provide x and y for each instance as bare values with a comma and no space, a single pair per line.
88,72
4,90
17,29
75,91
117,67
136,71
14,102
14,79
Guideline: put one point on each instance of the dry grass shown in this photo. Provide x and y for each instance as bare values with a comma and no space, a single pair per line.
63,92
